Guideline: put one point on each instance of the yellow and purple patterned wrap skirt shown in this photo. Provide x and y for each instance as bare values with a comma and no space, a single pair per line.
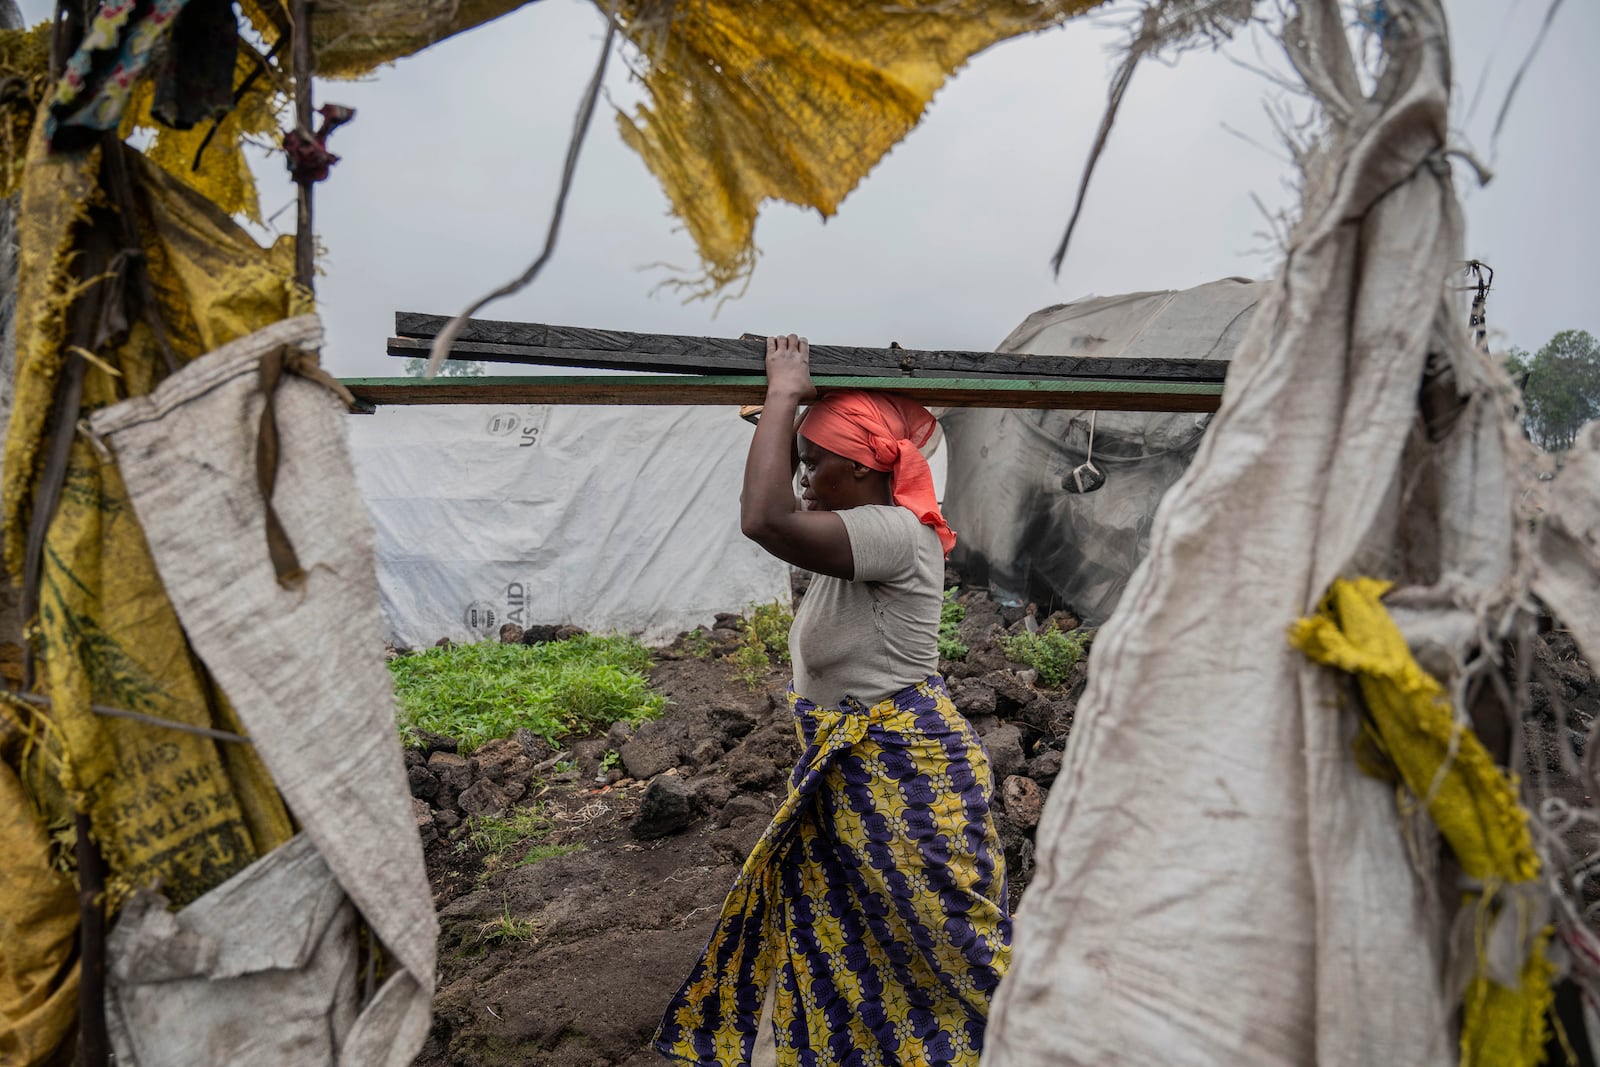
877,894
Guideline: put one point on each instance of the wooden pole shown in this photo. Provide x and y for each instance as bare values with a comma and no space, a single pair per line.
94,1043
709,390
532,343
305,251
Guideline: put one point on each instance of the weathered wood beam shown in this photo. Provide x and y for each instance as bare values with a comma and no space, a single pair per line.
1101,394
570,346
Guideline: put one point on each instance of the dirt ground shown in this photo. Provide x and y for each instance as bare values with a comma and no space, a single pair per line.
550,957
570,959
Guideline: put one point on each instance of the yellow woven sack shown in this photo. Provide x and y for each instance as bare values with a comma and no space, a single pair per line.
169,808
792,100
38,921
1410,721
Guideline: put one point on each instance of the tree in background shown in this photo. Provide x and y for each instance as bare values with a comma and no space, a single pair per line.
450,368
1560,387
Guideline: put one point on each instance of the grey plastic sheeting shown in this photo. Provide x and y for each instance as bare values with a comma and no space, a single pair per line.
1018,530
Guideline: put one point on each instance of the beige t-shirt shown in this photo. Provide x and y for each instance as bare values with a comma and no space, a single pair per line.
871,637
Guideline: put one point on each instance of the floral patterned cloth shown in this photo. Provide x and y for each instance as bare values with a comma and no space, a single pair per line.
191,43
878,894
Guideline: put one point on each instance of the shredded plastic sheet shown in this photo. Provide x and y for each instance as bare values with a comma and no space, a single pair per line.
354,37
350,39
25,67
38,923
792,100
224,175
796,100
1474,804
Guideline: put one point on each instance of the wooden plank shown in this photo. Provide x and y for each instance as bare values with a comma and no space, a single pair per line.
645,390
571,346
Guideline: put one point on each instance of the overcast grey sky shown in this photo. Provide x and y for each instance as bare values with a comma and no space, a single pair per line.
449,171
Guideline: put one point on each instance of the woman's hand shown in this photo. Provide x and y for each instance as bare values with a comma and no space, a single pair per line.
789,369
769,514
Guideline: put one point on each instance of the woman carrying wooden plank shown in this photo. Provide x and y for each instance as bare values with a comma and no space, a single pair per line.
874,905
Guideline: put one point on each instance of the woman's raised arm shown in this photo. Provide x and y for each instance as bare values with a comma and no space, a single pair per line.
769,514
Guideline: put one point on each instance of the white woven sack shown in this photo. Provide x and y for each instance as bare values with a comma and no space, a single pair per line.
303,666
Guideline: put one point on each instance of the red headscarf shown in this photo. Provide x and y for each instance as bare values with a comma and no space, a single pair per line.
884,432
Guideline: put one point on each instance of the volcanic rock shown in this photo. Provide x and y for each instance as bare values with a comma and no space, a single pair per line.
483,798
1004,745
423,813
667,807
646,756
1024,800
1044,767
453,771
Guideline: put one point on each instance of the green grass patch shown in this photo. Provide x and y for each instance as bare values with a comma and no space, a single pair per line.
496,835
505,928
951,613
750,664
768,625
764,631
698,643
546,851
502,837
1053,653
475,693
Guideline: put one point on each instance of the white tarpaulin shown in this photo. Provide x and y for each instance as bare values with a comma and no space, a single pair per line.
1218,882
609,518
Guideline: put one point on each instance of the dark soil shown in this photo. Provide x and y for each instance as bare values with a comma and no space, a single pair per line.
569,960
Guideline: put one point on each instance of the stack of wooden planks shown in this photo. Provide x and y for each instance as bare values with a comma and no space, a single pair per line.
672,369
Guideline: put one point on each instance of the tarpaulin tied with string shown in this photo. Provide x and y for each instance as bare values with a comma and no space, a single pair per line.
1410,734
1219,878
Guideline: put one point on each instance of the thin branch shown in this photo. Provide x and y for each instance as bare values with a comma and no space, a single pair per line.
586,108
1488,63
42,701
1119,86
1253,143
1165,26
1516,82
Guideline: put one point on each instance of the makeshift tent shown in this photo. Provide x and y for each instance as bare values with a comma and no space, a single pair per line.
1224,873
1023,531
608,518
